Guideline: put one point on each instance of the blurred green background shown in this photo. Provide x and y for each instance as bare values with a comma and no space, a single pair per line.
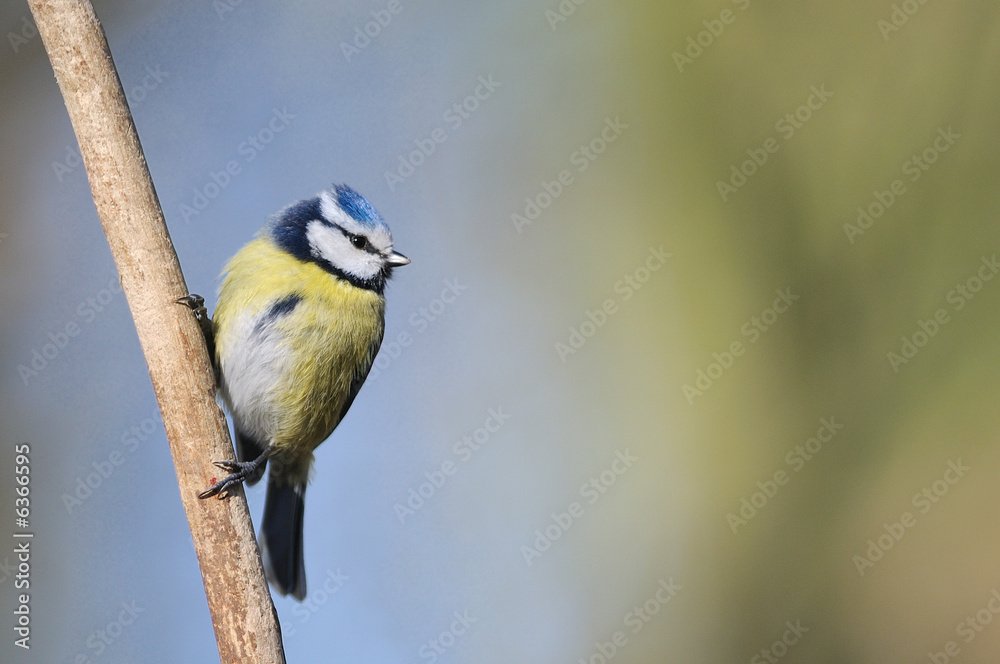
597,242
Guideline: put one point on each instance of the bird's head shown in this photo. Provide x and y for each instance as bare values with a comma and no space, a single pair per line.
342,233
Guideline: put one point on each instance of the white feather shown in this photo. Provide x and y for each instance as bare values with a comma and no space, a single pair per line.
336,248
250,376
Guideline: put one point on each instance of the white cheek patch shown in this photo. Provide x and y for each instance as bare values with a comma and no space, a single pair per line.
334,247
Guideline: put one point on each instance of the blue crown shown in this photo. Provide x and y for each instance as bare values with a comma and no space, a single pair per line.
357,206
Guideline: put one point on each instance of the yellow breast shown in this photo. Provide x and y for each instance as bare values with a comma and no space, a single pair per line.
304,363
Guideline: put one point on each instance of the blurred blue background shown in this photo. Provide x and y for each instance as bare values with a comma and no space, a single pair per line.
708,286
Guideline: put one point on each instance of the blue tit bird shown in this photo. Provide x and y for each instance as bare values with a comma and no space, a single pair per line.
299,320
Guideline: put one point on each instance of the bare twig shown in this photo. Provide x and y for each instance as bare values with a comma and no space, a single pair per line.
246,626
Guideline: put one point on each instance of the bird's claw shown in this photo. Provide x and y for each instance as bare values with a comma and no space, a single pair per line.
236,467
195,303
240,470
220,488
191,300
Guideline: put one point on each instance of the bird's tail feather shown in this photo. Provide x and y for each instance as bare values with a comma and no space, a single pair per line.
281,538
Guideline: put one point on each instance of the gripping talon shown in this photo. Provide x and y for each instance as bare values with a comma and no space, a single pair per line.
196,303
241,471
192,301
220,488
231,466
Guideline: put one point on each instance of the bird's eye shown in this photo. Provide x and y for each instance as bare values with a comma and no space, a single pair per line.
359,241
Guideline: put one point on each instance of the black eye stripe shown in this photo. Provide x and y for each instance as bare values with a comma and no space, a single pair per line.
351,237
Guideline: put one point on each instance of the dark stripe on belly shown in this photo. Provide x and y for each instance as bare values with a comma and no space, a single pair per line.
278,310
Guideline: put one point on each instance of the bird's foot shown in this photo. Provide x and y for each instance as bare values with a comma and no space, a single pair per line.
241,471
196,303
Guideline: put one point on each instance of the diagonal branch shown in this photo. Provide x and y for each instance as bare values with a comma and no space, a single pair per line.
246,625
